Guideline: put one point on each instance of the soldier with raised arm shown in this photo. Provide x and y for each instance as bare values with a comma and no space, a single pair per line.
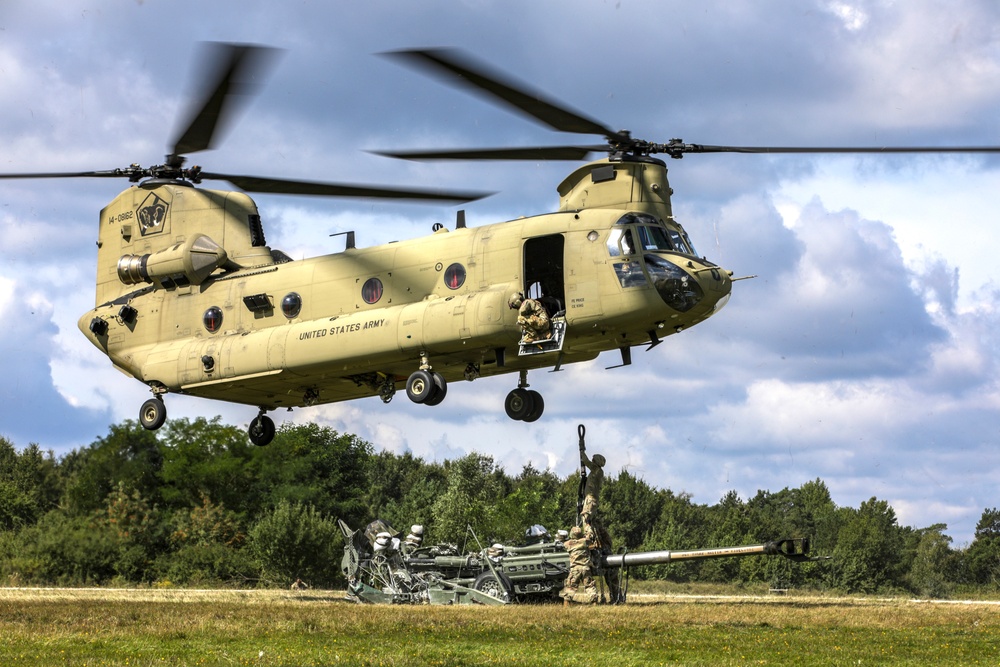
590,516
593,526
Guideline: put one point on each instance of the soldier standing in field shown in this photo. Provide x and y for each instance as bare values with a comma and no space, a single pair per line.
580,569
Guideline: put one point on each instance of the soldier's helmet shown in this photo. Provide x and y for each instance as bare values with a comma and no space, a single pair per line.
515,300
575,533
599,460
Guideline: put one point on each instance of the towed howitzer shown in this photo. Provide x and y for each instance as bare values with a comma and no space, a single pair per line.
440,574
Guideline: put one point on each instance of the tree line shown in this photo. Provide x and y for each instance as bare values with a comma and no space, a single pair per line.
195,504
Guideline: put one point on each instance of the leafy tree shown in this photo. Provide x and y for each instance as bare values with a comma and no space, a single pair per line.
681,525
630,508
983,555
314,465
813,514
730,526
204,458
869,547
136,525
474,489
208,523
932,564
401,489
29,485
296,541
129,454
207,540
534,499
67,550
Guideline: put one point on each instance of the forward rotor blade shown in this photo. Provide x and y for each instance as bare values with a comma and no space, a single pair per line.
236,71
111,173
574,153
289,187
459,70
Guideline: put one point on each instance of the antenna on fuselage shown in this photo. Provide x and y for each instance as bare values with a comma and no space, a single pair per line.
350,239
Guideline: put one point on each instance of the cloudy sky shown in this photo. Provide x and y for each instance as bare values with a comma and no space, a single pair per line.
865,353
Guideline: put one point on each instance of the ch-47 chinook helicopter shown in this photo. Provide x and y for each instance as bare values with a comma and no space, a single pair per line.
190,299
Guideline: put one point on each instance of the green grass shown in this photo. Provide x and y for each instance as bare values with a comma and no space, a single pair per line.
151,627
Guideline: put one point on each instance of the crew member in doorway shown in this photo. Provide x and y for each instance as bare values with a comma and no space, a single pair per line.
532,318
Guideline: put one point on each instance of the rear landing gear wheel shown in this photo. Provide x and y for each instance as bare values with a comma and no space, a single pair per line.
519,404
420,386
440,389
538,407
152,414
261,430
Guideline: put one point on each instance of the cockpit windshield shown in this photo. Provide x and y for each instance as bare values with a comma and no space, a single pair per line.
655,238
650,233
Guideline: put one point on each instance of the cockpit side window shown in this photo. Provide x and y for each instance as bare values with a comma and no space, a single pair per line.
613,238
628,245
620,242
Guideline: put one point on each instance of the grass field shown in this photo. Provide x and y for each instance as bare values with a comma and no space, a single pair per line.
176,627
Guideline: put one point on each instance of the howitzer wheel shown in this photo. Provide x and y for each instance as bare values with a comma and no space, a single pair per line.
350,565
498,586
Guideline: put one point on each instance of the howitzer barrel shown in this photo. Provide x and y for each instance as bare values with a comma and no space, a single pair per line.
795,549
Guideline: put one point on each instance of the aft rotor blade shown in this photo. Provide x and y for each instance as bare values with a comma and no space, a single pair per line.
574,153
459,70
701,148
236,71
289,187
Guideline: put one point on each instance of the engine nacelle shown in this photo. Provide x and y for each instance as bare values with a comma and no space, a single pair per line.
187,262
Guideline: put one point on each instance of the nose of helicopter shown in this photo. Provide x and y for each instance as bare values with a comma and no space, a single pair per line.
695,287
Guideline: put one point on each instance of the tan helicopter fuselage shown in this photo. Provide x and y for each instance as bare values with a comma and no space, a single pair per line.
191,300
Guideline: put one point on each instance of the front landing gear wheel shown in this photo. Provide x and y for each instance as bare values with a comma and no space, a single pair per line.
519,404
261,430
152,414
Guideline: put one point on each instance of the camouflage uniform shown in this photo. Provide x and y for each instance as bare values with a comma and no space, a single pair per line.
532,318
579,568
593,526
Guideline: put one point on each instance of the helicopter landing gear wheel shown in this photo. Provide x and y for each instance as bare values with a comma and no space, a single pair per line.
538,406
519,404
261,430
152,414
488,583
440,389
420,386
